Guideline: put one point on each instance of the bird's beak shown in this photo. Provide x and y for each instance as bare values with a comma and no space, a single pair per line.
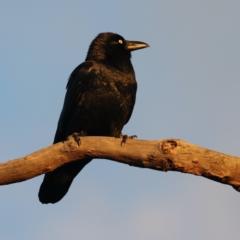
135,45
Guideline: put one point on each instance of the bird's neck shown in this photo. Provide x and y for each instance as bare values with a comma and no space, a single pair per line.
121,62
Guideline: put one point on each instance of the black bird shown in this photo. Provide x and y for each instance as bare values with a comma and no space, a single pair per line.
99,101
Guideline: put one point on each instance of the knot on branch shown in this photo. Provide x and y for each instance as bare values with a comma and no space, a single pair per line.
167,146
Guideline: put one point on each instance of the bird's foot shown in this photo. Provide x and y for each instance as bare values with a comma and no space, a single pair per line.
77,136
125,137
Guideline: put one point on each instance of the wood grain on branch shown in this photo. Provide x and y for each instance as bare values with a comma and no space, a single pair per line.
162,155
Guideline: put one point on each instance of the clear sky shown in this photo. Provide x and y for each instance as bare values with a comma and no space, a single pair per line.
188,88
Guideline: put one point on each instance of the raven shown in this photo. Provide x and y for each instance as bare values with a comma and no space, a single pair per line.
99,101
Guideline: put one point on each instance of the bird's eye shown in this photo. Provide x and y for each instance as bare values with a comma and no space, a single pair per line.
120,41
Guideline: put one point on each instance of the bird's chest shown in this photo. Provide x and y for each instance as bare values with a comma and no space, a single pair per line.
111,97
107,105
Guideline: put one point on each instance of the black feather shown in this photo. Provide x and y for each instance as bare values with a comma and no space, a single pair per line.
99,101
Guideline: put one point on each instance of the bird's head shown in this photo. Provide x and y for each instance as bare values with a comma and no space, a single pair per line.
113,49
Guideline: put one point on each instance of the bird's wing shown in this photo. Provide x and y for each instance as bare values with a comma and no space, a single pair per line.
77,83
56,183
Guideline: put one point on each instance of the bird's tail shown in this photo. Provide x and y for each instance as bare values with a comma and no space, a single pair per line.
56,183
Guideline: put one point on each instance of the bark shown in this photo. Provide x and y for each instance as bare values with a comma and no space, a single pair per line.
161,155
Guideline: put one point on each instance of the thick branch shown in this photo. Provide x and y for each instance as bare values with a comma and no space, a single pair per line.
162,155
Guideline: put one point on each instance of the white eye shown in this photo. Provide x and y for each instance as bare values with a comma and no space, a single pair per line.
120,41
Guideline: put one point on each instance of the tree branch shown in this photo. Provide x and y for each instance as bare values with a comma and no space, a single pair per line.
162,155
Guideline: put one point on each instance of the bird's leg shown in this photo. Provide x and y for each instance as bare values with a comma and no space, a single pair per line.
77,135
125,137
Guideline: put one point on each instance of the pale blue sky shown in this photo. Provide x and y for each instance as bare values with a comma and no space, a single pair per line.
188,88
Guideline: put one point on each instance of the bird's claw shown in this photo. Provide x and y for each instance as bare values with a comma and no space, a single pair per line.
77,136
125,137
